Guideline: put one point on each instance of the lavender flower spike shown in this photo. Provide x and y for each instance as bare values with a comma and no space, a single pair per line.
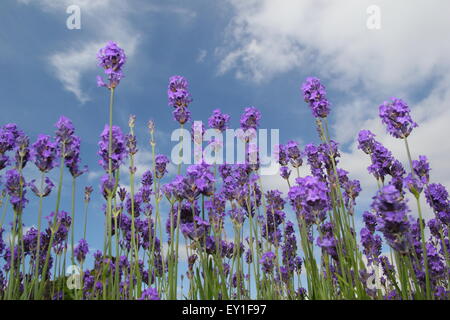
81,250
315,95
396,116
178,93
112,59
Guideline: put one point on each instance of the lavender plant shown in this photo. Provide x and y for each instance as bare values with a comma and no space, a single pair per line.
218,227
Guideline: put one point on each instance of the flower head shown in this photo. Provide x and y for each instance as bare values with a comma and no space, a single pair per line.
437,198
47,188
43,153
178,93
267,261
112,59
72,157
366,141
218,120
181,115
250,118
107,186
63,221
315,95
381,161
22,151
294,153
149,294
396,116
285,172
87,193
282,155
310,199
161,162
118,148
15,187
414,185
8,135
421,168
327,241
81,250
64,132
131,144
392,221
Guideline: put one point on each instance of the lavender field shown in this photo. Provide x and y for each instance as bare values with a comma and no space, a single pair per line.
215,230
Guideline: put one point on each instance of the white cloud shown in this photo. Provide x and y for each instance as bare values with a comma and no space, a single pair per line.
269,37
330,39
69,66
101,20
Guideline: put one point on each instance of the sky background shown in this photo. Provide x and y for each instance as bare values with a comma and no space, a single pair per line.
235,54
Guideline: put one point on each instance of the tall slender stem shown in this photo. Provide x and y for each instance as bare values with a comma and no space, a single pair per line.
429,295
73,221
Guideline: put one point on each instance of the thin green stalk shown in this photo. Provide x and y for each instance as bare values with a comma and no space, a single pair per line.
55,218
429,294
36,273
73,221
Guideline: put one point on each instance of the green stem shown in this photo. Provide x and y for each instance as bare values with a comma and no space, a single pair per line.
73,221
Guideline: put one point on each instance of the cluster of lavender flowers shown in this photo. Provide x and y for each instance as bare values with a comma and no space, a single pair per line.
238,239
112,59
179,98
34,247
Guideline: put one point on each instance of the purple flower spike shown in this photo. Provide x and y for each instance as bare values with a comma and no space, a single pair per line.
310,200
150,294
250,118
327,240
366,141
64,132
72,158
8,136
112,59
281,153
181,115
147,179
267,261
43,153
381,161
372,245
315,95
15,187
118,150
437,198
285,172
421,168
81,250
396,116
107,186
22,151
392,221
218,120
47,188
161,162
178,93
294,154
87,193
414,185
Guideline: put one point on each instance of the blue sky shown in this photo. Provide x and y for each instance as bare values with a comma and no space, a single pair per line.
235,54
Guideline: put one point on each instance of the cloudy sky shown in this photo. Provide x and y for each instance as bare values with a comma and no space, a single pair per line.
235,54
